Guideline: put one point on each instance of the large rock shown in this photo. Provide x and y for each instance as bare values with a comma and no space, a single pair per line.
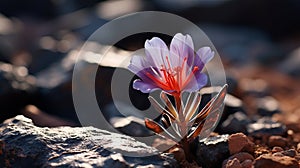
24,145
210,152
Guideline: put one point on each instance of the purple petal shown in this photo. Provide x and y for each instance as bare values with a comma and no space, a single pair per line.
200,80
182,46
156,52
145,87
137,64
203,56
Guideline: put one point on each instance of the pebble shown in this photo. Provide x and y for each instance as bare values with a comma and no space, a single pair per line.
277,141
239,142
268,160
290,152
234,163
277,149
240,157
267,106
236,122
266,126
298,147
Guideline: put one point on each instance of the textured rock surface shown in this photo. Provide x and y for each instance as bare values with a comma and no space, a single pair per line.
25,145
211,151
268,160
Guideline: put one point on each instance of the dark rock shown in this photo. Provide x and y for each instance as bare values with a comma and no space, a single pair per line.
266,127
290,152
232,83
268,160
211,151
267,106
236,122
232,105
25,145
17,89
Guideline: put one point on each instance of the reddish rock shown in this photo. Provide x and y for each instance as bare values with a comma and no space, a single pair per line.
240,143
241,157
277,149
298,147
234,163
247,163
268,160
277,141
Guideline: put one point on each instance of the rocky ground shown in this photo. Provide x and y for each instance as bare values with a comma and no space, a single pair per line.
260,52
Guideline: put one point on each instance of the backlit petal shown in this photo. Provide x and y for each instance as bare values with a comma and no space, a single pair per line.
182,46
145,87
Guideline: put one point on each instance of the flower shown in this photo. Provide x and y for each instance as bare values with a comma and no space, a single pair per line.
172,70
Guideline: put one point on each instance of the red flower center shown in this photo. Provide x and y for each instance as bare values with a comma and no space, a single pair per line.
173,78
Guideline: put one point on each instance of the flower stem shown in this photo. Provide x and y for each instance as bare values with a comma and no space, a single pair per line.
184,143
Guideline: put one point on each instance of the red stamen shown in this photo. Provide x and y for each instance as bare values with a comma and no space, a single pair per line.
158,82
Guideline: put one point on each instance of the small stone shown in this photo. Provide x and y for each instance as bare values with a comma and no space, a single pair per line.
266,127
267,106
268,160
232,105
242,156
298,147
277,149
236,122
211,151
277,141
290,152
234,163
239,142
247,164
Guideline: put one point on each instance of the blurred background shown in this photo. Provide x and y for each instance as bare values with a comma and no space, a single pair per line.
258,42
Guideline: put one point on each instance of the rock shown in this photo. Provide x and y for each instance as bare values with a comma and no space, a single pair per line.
236,122
232,105
266,127
277,149
268,160
290,152
240,157
211,151
277,141
267,106
247,164
23,144
239,142
234,163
